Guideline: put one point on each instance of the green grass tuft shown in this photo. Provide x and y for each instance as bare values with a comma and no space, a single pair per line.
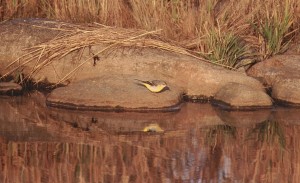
225,48
275,29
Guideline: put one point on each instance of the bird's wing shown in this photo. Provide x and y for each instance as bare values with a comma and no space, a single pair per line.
145,82
157,82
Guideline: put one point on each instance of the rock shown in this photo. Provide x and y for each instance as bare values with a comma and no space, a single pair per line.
240,96
277,68
287,91
24,35
114,93
9,88
199,79
282,74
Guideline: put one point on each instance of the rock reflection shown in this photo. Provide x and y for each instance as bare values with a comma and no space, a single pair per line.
243,118
198,144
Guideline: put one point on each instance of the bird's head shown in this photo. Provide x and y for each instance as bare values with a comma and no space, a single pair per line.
165,87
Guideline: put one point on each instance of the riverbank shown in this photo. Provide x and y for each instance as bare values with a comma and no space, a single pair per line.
36,53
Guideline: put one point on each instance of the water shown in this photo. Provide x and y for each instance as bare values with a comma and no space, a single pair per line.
200,143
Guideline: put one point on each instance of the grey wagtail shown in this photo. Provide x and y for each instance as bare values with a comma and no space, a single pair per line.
155,86
153,128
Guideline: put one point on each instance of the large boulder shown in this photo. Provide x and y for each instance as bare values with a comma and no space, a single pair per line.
276,68
282,74
240,96
198,79
287,91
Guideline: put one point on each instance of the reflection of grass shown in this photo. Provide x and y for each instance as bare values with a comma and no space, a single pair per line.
220,132
222,129
269,131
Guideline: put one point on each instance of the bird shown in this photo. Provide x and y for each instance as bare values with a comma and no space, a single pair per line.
155,86
153,128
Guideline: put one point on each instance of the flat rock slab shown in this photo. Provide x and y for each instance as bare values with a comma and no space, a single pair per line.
9,88
287,92
240,96
114,93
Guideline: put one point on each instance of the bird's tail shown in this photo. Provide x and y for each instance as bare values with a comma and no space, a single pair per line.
141,82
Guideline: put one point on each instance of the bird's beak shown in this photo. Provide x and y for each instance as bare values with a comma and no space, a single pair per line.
167,88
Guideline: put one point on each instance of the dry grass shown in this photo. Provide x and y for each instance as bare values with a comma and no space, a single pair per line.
275,27
178,19
223,31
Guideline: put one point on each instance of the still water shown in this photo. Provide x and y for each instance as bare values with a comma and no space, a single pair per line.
200,143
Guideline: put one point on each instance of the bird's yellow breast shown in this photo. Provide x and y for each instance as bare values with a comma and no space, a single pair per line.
154,89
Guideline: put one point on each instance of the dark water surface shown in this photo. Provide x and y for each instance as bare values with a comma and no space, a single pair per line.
200,143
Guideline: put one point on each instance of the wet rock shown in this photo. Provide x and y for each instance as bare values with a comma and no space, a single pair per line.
240,96
9,88
114,93
287,91
281,73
